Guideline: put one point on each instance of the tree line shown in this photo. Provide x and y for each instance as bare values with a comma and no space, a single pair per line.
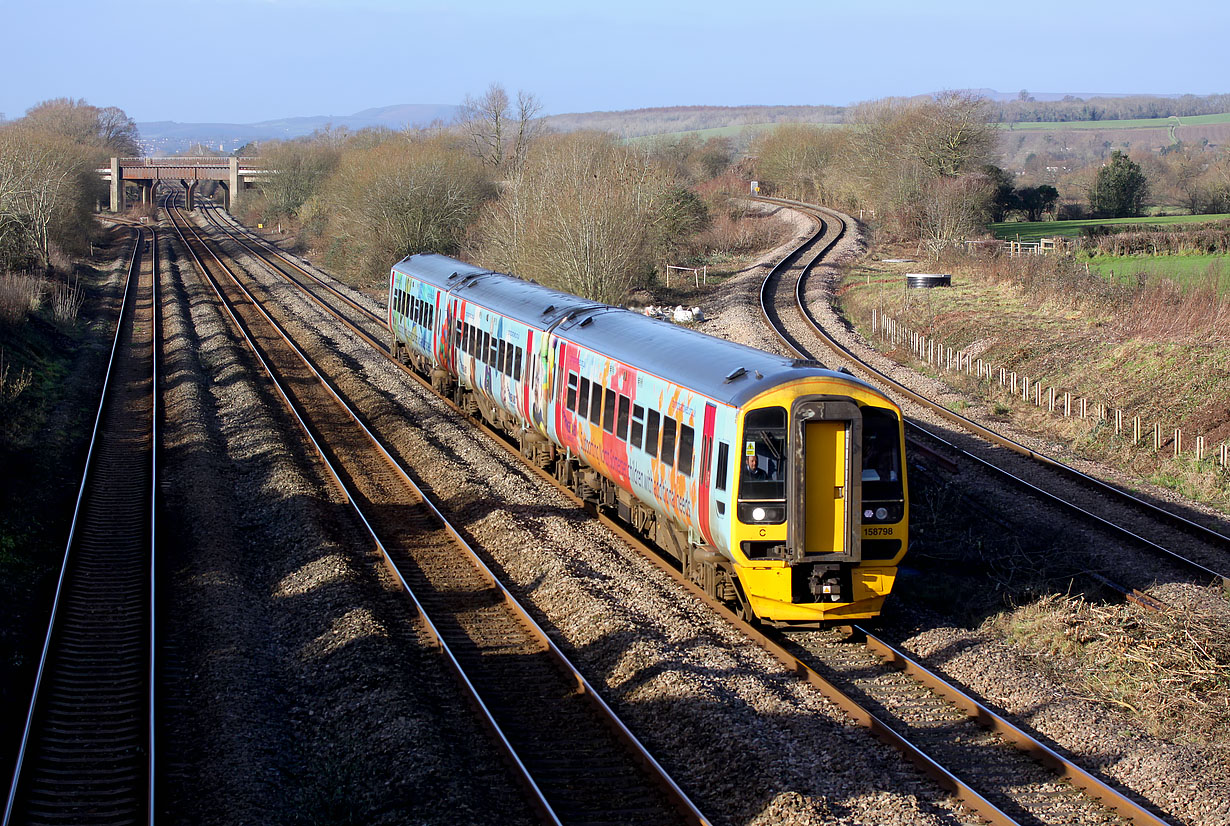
48,184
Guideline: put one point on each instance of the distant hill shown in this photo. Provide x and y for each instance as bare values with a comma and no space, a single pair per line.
738,122
171,136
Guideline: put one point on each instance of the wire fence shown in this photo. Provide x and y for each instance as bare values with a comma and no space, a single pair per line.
1036,392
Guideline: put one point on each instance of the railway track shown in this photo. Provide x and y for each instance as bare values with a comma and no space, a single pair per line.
578,762
1010,785
1197,550
87,752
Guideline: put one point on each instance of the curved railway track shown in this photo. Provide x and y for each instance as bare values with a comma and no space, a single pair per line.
1004,785
1204,554
87,751
577,760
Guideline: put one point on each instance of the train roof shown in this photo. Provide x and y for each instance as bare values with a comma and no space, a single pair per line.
724,370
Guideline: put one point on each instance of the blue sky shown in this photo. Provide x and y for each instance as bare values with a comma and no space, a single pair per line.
250,60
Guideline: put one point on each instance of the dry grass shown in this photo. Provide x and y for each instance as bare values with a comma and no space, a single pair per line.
1170,671
20,295
66,301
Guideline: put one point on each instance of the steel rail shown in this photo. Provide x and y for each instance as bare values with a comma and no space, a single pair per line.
1047,756
1204,532
89,473
677,797
242,235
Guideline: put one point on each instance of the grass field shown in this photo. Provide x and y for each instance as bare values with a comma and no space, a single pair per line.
1185,269
1032,231
727,131
1140,123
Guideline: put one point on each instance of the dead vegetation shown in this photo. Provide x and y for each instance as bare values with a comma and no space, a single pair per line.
1168,670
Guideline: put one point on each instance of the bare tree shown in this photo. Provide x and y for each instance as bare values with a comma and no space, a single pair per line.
400,197
582,214
952,210
496,132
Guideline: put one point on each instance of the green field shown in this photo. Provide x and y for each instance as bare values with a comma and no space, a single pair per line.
1032,231
1140,123
1185,269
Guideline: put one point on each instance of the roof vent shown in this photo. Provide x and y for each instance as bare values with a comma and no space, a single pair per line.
734,374
550,307
588,321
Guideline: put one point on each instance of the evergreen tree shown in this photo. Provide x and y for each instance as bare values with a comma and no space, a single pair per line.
1120,188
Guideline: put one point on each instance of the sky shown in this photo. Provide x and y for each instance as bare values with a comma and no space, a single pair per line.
244,61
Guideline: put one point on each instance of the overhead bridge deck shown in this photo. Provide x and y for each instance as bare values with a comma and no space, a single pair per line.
236,174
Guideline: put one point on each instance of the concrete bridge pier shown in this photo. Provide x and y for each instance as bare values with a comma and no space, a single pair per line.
117,187
190,190
233,186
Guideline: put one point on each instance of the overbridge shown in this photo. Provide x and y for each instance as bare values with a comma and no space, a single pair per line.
235,174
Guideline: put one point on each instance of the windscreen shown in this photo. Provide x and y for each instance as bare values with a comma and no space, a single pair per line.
762,475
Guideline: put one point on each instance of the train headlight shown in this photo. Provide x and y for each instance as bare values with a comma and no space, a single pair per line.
881,513
759,514
867,514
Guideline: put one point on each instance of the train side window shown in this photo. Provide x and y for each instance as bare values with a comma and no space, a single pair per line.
651,433
501,354
583,399
431,316
457,334
723,460
414,310
486,349
687,443
621,423
595,403
517,363
668,441
493,353
570,401
638,425
608,412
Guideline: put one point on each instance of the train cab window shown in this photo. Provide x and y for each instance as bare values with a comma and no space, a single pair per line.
638,425
621,421
608,412
762,474
687,440
722,461
651,433
595,403
517,363
570,401
669,426
583,399
883,493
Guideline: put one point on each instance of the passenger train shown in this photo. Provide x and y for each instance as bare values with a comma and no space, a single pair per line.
778,485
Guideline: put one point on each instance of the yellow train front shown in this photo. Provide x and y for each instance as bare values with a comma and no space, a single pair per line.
821,517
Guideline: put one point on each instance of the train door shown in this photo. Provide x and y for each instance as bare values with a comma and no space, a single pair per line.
824,492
